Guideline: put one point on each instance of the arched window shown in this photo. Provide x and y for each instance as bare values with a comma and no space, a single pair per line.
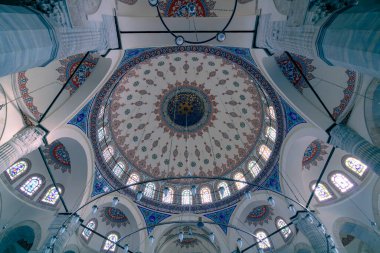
271,133
109,244
271,112
87,233
254,168
341,182
118,169
101,133
51,196
17,169
322,192
206,195
149,190
285,231
169,197
240,176
101,112
265,152
32,185
187,198
133,178
226,190
262,240
108,153
355,166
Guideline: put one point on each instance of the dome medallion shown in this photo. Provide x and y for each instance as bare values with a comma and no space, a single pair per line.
180,111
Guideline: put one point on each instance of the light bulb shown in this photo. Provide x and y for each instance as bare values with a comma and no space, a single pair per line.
151,239
222,190
126,248
94,209
115,201
180,236
62,230
239,243
139,195
53,240
194,190
179,40
271,201
190,231
220,37
211,236
153,2
292,209
75,219
248,195
260,250
166,191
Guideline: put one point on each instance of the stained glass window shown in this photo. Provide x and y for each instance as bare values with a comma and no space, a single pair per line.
32,185
322,192
206,195
341,182
272,113
17,169
118,169
240,176
51,196
271,133
187,198
262,239
355,166
110,242
254,168
286,232
108,153
265,152
133,178
101,133
169,197
226,190
87,232
149,190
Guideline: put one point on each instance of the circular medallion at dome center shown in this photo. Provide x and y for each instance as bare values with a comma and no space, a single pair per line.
186,109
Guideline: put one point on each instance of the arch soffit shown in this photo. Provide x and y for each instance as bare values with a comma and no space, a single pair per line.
34,226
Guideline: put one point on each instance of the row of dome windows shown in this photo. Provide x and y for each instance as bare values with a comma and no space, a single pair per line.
261,235
341,182
33,184
186,194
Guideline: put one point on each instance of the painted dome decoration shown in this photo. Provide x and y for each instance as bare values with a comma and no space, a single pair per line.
180,111
259,215
58,157
114,217
179,8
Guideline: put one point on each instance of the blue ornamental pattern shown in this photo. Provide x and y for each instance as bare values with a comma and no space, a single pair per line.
80,120
152,218
273,181
100,185
243,53
222,217
292,117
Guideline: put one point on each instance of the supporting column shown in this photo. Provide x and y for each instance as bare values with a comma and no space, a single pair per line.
351,39
21,144
30,39
314,234
347,139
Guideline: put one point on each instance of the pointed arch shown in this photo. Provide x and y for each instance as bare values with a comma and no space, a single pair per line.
149,190
263,241
205,195
254,168
169,197
118,169
265,152
341,182
271,133
50,196
286,232
186,197
133,178
18,170
86,232
109,245
32,185
239,176
355,166
108,153
226,190
322,192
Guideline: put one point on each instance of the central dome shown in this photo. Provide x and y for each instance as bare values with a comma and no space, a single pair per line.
176,112
186,108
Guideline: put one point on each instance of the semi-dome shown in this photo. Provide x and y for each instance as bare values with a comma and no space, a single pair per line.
186,111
